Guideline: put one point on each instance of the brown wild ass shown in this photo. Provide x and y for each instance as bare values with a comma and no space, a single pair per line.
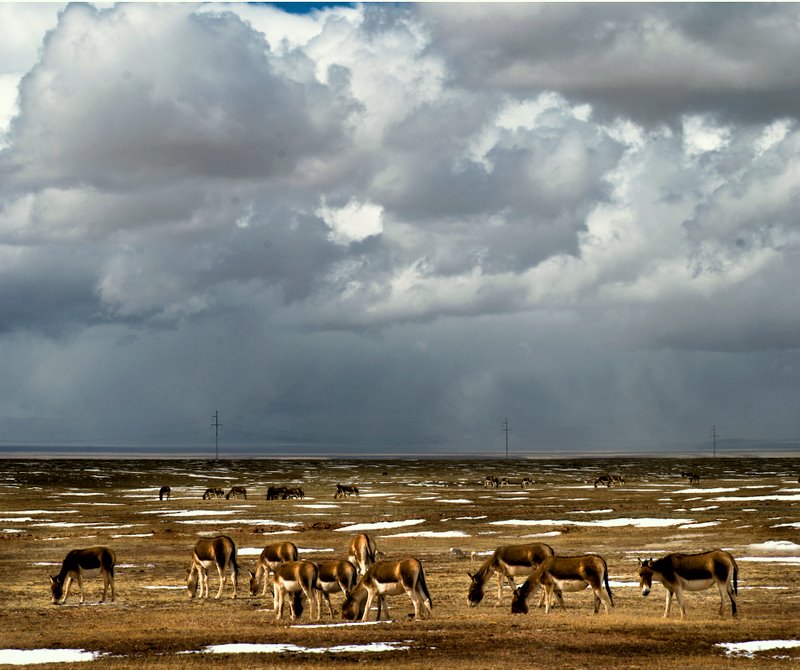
294,492
692,572
335,576
217,551
297,578
236,492
361,552
164,492
345,490
271,556
213,493
557,574
693,477
509,561
388,578
80,563
276,492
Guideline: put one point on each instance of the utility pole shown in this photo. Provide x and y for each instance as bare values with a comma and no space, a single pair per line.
714,439
505,429
216,425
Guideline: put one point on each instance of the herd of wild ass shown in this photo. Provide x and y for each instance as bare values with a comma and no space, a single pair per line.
365,580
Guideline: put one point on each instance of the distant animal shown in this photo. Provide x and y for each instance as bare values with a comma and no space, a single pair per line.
526,481
276,492
361,552
603,479
617,479
509,561
346,490
388,578
335,576
457,553
164,492
213,493
219,552
297,578
557,574
295,492
491,482
271,556
80,563
692,572
236,492
693,477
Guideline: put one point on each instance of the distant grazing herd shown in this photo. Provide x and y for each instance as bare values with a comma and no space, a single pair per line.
365,580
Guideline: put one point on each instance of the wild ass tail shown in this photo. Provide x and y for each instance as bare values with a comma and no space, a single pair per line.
424,586
608,588
735,578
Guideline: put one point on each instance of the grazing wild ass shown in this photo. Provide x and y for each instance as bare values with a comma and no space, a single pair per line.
609,480
217,551
509,561
294,492
236,492
335,576
271,556
80,563
164,493
213,493
345,490
557,574
297,578
276,492
388,578
361,552
692,572
693,477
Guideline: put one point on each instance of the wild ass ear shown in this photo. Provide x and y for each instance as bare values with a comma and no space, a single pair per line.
640,561
252,574
53,580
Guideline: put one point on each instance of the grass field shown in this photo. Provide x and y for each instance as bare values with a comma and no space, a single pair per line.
751,507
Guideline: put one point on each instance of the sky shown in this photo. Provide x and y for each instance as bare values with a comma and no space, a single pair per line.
387,228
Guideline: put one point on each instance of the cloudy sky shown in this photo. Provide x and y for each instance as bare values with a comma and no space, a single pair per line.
389,227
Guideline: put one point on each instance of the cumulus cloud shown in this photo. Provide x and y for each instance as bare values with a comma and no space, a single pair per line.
405,212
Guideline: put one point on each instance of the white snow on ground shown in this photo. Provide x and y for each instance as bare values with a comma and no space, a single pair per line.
707,524
255,522
775,545
461,501
787,498
282,648
717,490
780,560
754,646
36,656
379,525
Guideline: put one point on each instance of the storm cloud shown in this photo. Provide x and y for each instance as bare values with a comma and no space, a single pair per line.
386,228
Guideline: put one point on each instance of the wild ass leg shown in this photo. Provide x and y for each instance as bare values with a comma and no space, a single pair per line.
668,604
368,605
729,589
79,579
277,600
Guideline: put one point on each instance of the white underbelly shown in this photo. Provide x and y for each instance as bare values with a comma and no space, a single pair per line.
291,585
93,572
569,585
328,587
697,584
518,570
390,588
207,565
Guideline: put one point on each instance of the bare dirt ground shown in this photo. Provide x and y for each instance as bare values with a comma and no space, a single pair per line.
750,507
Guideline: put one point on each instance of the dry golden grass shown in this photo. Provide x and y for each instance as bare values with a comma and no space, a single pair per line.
151,627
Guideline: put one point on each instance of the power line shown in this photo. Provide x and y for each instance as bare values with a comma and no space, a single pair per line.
216,425
714,439
505,429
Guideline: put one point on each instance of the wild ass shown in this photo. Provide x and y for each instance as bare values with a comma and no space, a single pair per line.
692,572
294,492
219,551
276,492
164,492
346,490
80,563
335,576
271,556
361,552
388,578
213,493
236,492
509,561
693,477
557,574
297,578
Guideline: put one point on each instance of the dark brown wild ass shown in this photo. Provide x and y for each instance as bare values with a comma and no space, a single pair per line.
346,490
164,493
213,493
692,572
236,492
80,563
219,552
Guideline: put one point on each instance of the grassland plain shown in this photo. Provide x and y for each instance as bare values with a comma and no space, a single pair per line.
420,508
